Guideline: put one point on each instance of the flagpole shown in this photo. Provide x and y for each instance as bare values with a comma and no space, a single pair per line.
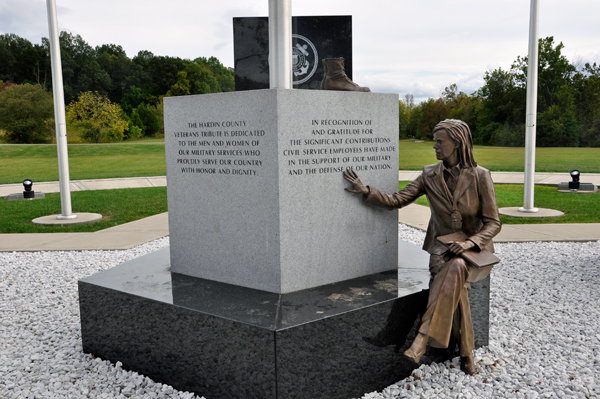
531,111
280,44
59,115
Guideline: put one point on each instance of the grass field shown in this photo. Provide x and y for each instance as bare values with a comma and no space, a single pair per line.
147,158
86,161
115,206
414,155
578,208
122,206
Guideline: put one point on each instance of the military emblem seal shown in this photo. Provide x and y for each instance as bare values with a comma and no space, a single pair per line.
304,59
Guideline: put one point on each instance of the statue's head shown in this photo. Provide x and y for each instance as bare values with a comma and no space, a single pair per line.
460,133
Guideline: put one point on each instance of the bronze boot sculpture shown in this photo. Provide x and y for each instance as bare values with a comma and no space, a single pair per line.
335,77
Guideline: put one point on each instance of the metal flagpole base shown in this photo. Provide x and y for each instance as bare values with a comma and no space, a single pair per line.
62,217
529,210
61,220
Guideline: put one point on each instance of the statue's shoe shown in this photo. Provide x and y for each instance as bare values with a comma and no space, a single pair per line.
417,349
467,364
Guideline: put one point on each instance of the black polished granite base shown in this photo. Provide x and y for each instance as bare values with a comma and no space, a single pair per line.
225,341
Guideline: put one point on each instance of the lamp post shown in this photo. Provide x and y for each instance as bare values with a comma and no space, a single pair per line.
531,111
59,115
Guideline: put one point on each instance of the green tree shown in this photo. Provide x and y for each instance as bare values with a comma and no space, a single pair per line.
114,61
159,112
81,71
408,125
502,99
99,119
181,87
108,70
428,114
136,121
586,83
462,106
132,131
27,114
224,76
136,96
554,71
556,122
561,120
201,79
148,119
419,120
23,62
557,125
403,120
155,74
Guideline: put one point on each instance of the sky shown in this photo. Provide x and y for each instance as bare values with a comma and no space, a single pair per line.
399,46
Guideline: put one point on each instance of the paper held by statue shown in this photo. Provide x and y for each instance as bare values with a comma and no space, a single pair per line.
480,262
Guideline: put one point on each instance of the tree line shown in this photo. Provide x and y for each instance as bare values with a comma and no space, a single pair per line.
111,96
568,104
123,95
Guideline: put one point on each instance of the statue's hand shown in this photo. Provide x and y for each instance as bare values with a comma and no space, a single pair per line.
357,186
458,247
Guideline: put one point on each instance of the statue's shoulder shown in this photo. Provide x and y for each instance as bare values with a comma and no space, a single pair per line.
431,169
481,171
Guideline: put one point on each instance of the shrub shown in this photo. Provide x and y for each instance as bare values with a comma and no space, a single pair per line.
99,119
149,120
26,114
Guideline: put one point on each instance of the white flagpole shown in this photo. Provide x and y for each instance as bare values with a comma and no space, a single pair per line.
530,130
280,44
59,115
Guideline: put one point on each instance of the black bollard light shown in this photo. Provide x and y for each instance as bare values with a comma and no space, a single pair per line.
574,185
28,193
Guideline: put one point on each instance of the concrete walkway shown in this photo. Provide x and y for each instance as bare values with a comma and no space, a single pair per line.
131,234
123,236
83,185
546,179
418,216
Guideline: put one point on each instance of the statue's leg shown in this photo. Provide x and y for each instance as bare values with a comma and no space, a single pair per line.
467,335
445,294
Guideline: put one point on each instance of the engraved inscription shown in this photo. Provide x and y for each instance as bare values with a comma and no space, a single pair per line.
332,145
220,148
323,146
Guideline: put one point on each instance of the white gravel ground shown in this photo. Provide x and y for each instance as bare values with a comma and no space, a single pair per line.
544,332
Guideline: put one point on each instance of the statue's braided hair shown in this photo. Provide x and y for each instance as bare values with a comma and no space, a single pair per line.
460,133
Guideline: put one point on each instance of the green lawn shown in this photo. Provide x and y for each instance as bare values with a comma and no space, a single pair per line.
147,158
86,161
122,206
116,207
578,208
509,159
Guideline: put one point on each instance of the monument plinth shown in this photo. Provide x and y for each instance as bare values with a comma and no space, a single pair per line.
277,282
225,341
255,186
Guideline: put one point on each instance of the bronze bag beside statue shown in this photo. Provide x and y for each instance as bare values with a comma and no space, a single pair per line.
480,262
